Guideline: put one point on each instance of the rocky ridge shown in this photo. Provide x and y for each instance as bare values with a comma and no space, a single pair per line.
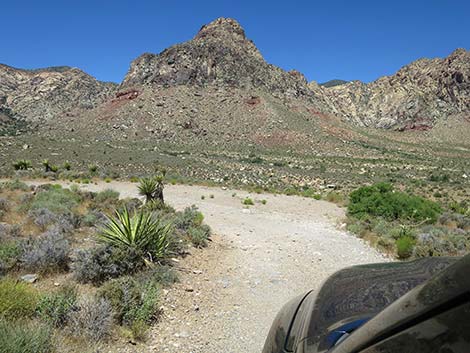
49,94
218,81
415,97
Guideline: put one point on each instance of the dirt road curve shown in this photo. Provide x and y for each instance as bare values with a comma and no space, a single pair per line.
260,258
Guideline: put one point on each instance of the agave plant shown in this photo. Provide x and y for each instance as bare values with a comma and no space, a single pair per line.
142,231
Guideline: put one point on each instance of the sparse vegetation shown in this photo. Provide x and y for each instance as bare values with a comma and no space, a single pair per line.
22,164
136,242
55,308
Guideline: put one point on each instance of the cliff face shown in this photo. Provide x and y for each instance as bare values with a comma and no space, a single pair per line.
220,54
47,94
417,96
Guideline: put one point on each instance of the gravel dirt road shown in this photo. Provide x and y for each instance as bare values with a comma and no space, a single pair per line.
260,257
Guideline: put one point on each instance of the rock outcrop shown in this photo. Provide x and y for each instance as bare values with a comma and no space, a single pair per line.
50,93
416,97
220,54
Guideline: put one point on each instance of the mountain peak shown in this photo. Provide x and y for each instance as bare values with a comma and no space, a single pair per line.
222,27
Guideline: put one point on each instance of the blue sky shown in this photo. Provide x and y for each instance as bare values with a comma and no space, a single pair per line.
323,39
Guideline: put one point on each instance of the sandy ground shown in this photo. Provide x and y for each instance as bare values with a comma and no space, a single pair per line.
260,257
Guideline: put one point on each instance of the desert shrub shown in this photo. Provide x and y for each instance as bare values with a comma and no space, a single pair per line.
248,202
25,338
459,220
190,217
102,263
107,196
47,253
162,274
157,205
93,218
335,197
22,164
15,231
199,236
132,300
264,202
92,318
15,185
54,308
142,232
17,299
55,199
356,228
132,204
381,227
405,246
42,217
9,254
382,201
4,204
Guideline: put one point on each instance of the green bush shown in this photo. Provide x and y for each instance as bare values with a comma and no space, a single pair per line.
10,252
55,308
107,196
199,236
142,232
248,202
190,217
55,199
17,299
132,300
381,200
25,338
405,246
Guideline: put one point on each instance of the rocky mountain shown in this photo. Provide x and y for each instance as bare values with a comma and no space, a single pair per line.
218,87
220,54
415,97
48,94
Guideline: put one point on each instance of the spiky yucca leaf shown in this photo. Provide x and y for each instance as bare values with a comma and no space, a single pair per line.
147,187
140,231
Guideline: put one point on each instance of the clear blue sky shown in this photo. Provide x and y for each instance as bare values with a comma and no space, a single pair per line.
350,39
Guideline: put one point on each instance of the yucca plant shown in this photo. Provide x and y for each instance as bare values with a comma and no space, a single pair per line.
147,187
141,231
46,165
67,165
22,164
